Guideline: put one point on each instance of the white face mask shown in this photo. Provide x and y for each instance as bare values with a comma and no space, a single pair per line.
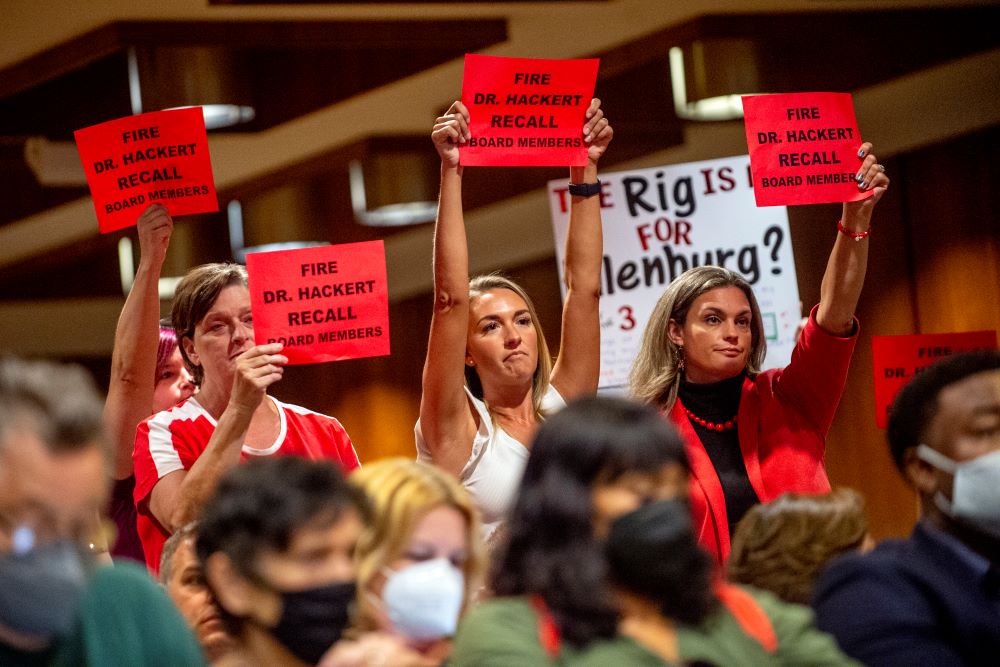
975,491
423,600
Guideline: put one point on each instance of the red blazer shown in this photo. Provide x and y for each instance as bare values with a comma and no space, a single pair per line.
784,416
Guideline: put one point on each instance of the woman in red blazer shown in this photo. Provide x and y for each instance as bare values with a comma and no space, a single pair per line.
751,435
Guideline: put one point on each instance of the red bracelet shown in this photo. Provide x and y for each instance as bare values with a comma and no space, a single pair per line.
857,236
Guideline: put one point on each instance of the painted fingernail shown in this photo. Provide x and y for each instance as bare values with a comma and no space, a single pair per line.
859,177
861,152
864,185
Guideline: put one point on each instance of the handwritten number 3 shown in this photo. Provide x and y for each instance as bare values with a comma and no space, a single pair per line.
629,320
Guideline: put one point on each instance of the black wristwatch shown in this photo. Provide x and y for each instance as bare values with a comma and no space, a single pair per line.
585,189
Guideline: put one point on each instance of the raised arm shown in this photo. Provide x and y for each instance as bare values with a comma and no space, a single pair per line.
133,360
447,421
578,366
177,498
845,270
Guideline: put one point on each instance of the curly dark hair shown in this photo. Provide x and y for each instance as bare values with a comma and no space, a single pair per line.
259,505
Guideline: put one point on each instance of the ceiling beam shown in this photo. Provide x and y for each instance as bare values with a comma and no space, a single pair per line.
69,56
918,110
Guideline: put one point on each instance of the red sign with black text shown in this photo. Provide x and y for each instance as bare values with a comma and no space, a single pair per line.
897,359
153,158
803,148
327,303
526,112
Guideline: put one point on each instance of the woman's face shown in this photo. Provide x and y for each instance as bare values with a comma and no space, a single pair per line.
503,343
223,334
173,384
610,500
441,533
716,335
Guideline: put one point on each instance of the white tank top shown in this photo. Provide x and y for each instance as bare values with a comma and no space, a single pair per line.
493,472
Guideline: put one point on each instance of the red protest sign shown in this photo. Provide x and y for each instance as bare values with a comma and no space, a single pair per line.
803,148
159,157
327,303
526,112
896,359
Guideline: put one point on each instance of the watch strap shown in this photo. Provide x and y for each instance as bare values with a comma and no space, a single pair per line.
585,189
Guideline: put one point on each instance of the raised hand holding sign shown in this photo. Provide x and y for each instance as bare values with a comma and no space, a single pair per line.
159,157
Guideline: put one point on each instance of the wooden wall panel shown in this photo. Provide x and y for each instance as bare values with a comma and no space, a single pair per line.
857,453
952,207
934,267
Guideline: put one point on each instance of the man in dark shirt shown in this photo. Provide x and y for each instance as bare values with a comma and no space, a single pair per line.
933,599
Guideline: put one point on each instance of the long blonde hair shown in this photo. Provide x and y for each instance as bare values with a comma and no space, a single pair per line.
655,374
540,380
402,492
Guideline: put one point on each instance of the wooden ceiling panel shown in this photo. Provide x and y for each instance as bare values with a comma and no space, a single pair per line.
284,69
54,108
377,2
837,50
289,83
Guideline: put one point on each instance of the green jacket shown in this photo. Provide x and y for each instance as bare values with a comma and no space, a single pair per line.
505,631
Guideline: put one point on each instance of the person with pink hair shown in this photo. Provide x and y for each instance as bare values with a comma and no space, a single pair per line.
144,350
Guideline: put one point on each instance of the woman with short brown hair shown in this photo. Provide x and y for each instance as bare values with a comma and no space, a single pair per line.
181,453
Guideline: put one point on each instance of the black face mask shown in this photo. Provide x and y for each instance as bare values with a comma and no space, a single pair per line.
313,620
639,540
652,552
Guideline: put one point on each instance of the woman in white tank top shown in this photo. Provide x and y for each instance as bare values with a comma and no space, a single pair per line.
488,378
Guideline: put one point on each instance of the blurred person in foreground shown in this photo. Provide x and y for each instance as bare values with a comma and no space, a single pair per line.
783,546
57,606
276,543
420,562
934,598
183,579
591,465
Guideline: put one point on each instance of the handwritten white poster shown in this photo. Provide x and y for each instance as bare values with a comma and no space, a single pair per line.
658,223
